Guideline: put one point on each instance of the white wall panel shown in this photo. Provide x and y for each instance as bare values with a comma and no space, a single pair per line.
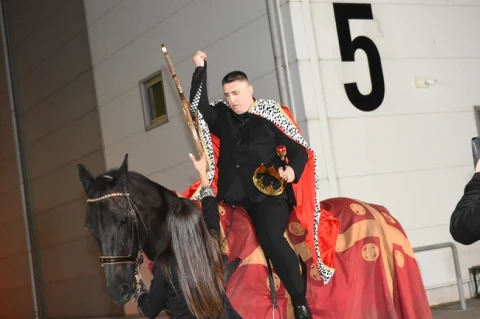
413,153
405,2
378,145
122,112
143,56
95,9
109,34
138,154
52,36
63,67
65,106
405,31
454,91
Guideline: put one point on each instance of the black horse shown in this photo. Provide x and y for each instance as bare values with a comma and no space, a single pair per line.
127,217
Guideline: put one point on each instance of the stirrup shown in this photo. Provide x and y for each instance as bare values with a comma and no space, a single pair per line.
279,310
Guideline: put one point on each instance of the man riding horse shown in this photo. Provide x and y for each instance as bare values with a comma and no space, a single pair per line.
379,275
250,131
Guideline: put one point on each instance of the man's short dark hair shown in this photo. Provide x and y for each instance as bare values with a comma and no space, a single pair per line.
234,76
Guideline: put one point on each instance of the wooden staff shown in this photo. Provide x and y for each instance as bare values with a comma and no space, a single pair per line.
186,104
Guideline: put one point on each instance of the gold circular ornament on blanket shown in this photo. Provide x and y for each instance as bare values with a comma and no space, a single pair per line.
388,217
399,258
276,282
358,209
296,229
370,252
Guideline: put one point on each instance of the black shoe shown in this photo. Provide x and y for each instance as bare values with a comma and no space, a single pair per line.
302,312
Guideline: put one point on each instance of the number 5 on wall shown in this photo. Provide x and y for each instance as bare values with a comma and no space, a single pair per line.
343,13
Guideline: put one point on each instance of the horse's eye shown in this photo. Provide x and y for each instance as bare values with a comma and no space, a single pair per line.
124,221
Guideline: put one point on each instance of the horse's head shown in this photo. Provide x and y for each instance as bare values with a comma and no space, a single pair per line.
117,225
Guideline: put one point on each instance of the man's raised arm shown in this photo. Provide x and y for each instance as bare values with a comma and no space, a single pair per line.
199,94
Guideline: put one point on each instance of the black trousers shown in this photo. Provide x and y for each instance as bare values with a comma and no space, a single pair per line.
270,218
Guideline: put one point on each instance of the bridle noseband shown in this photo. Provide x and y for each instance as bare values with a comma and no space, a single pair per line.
133,212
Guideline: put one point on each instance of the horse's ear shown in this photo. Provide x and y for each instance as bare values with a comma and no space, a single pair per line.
85,177
124,167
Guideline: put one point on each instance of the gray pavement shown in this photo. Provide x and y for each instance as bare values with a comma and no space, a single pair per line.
454,311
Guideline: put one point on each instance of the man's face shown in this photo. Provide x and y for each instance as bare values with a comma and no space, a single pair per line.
239,95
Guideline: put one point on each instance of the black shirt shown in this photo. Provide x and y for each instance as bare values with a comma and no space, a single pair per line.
235,193
465,220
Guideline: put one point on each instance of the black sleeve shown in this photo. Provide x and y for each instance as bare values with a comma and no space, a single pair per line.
153,302
296,153
210,213
199,99
465,220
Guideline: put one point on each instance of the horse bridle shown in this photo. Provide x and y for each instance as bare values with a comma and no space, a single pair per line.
133,212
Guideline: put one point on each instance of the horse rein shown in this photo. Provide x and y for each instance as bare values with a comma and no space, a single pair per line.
133,212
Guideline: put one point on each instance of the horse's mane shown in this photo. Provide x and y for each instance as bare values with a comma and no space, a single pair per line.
113,178
148,195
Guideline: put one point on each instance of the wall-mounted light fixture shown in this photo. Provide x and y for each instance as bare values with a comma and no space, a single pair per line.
422,82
